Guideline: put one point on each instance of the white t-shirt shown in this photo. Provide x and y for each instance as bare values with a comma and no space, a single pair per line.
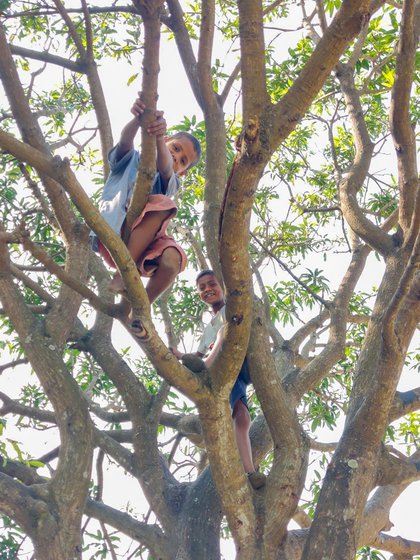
211,330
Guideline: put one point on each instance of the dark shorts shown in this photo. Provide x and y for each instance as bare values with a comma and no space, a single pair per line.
239,389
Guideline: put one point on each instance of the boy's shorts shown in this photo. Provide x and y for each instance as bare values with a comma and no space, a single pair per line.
239,389
147,264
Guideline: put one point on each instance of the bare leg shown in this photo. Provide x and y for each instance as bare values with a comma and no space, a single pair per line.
241,425
140,238
169,265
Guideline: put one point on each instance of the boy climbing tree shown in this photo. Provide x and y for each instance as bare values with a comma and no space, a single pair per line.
157,255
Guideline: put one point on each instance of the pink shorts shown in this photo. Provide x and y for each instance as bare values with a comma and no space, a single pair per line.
147,264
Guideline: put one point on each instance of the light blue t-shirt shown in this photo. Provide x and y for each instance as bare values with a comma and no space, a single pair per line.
118,189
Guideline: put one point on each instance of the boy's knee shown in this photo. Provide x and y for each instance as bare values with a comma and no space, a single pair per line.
170,260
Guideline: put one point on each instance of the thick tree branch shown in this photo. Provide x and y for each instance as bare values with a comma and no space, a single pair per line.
401,548
147,168
205,48
287,475
17,502
150,536
401,127
211,105
254,86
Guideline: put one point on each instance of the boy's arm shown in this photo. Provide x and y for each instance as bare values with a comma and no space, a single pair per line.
128,133
157,128
126,142
211,356
179,354
164,161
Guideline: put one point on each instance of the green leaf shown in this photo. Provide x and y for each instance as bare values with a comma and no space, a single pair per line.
132,78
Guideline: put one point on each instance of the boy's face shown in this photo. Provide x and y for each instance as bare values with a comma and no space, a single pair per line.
209,290
182,152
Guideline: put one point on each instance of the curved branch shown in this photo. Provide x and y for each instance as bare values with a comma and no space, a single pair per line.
17,502
286,479
11,406
150,536
45,56
352,181
69,279
299,381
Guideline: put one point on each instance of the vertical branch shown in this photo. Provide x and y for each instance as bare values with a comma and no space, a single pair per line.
251,31
98,97
199,76
401,129
88,59
177,25
147,167
241,186
87,56
205,47
287,475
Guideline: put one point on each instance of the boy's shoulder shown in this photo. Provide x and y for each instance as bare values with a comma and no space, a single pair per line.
120,163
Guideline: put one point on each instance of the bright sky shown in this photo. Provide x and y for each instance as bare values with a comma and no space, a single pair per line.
176,99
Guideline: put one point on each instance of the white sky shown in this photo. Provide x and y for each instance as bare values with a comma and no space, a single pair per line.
176,99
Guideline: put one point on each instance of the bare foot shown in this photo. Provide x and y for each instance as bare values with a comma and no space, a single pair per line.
116,286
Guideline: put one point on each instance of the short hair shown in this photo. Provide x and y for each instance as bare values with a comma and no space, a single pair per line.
207,272
196,145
